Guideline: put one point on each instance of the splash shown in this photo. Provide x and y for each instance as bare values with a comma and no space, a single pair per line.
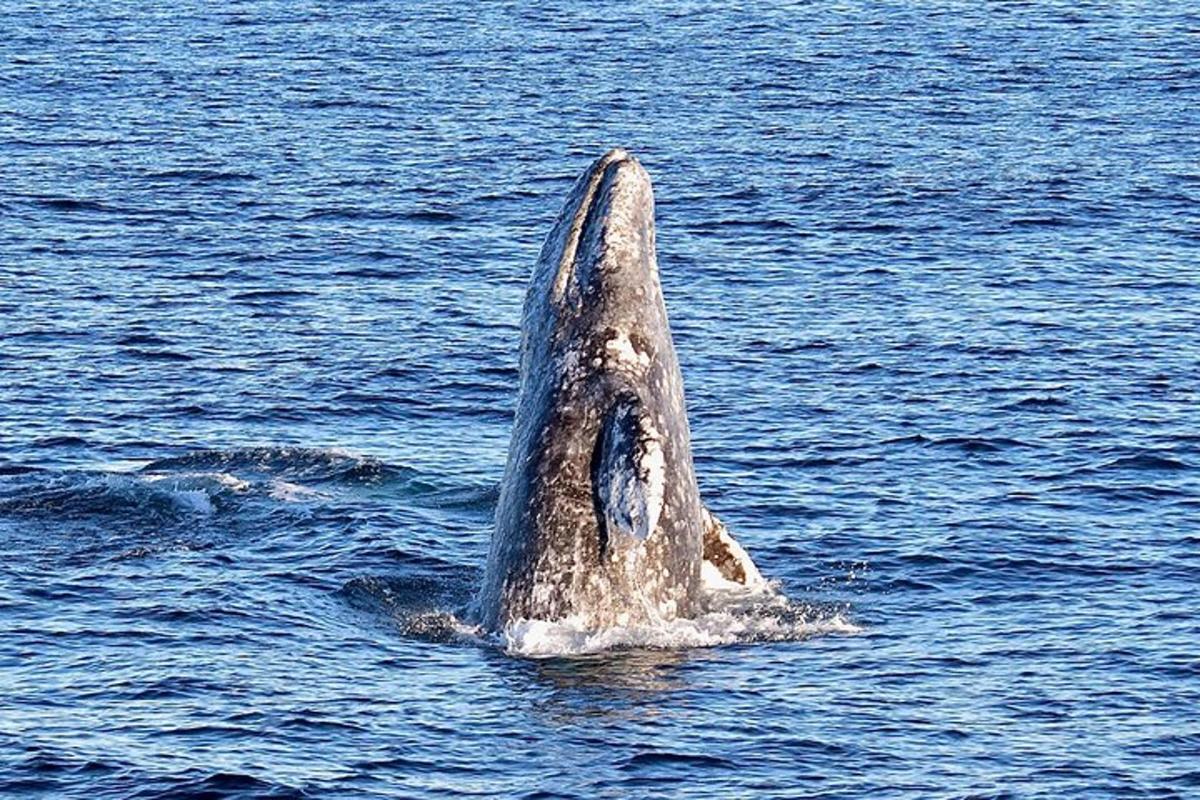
421,607
569,637
734,615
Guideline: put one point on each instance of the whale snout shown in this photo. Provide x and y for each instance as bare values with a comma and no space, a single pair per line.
609,247
624,179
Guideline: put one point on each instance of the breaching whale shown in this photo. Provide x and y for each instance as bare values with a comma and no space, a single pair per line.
599,517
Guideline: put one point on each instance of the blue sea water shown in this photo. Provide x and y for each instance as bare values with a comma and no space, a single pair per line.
933,271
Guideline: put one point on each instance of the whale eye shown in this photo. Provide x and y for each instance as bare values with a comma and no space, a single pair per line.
628,474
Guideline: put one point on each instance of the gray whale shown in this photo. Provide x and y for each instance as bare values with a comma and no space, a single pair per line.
599,517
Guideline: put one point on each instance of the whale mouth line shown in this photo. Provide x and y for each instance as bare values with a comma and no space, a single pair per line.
602,174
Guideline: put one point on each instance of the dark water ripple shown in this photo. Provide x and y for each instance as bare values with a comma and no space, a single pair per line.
934,278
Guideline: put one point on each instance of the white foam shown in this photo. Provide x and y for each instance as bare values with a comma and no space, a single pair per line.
193,500
531,638
123,465
200,480
194,491
294,492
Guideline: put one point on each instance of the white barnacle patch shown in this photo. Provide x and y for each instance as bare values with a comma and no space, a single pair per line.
569,361
621,350
630,473
652,467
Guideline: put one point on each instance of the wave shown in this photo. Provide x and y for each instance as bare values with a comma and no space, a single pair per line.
71,204
198,783
1139,461
150,339
428,215
132,498
1038,403
296,464
418,604
303,474
203,483
199,175
1147,461
658,758
256,295
158,355
968,444
748,225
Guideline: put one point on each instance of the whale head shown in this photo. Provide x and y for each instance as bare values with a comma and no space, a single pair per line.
599,516
597,275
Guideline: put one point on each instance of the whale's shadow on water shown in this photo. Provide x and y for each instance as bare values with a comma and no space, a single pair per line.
635,671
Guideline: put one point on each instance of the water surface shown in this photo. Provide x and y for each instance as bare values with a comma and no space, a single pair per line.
932,272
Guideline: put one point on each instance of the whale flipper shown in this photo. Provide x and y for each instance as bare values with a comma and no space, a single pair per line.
726,556
628,473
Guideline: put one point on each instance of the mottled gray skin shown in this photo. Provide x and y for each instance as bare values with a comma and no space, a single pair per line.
601,428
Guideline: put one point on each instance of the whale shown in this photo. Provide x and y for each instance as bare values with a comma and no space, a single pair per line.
599,518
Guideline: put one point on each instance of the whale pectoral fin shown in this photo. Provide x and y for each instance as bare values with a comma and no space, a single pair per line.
727,556
628,474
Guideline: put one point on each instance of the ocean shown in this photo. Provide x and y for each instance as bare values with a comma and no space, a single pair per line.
933,272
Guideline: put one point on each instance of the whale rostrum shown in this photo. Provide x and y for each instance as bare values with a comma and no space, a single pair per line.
599,517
